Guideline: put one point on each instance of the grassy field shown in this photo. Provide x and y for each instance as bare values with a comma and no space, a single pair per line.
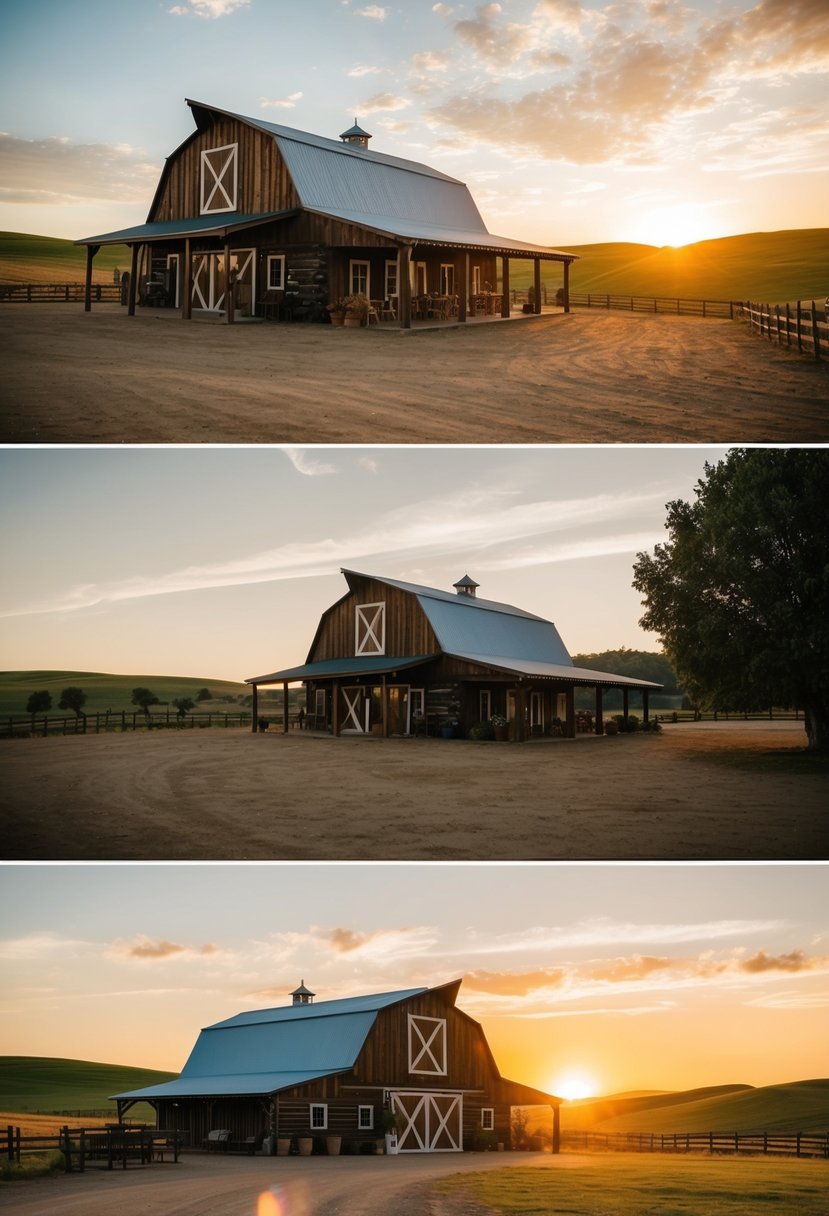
799,1106
112,691
46,259
636,1186
771,267
42,1085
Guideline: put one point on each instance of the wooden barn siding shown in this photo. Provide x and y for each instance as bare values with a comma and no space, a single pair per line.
407,630
263,182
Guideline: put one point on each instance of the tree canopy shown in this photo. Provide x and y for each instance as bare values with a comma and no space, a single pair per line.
72,698
39,703
183,705
739,593
144,698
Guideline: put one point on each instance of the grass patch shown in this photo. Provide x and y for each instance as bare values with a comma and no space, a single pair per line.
47,1084
113,692
32,1165
793,761
44,259
653,1186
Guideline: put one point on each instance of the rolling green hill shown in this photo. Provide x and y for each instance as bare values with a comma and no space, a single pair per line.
798,1106
112,692
772,267
54,1085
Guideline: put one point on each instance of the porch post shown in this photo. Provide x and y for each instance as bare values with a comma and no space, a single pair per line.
404,286
625,705
335,708
570,724
91,250
133,282
463,298
556,1129
384,700
645,692
599,710
537,285
505,285
186,283
228,288
284,707
566,286
521,714
254,709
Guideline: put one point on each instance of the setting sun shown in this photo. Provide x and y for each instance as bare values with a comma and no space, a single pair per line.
682,224
574,1085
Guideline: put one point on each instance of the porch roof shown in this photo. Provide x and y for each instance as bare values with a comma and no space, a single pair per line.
328,669
555,671
197,225
229,1085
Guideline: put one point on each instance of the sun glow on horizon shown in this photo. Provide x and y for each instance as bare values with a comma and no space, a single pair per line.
574,1085
682,224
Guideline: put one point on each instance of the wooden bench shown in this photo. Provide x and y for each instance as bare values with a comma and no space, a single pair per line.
218,1140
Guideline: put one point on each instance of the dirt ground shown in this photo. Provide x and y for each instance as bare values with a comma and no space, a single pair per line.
592,376
696,791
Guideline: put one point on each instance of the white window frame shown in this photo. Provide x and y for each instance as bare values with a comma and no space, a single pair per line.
274,260
357,269
487,1118
365,1118
476,280
319,703
447,278
417,271
174,259
370,628
209,187
391,279
417,701
427,1046
536,709
312,1115
485,704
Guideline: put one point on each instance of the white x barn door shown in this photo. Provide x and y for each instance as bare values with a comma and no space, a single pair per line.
353,700
370,623
428,1122
219,179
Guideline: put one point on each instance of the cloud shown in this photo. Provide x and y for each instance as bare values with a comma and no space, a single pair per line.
603,931
209,10
431,61
791,1000
56,171
796,960
384,101
308,465
280,103
38,945
496,43
373,11
368,463
366,70
158,949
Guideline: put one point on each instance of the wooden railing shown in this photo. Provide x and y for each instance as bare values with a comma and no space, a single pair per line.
116,1144
780,1144
51,293
101,723
656,304
800,326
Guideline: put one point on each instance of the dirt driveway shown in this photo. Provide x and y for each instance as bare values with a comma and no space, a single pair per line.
230,1186
226,794
591,377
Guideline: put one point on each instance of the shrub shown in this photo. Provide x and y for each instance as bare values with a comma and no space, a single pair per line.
33,1165
482,730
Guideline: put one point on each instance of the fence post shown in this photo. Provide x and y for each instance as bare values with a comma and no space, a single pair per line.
815,336
799,326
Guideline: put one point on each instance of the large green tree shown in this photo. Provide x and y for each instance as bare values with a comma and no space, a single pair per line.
739,593
73,698
144,698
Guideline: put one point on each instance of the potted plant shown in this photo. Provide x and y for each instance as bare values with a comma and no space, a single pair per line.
333,1144
305,1145
262,723
500,727
611,727
336,311
389,1125
356,310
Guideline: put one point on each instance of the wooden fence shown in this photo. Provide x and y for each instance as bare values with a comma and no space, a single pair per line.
101,723
794,1144
657,304
799,326
52,293
104,1147
728,715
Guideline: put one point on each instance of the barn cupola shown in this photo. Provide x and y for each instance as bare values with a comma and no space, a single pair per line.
466,586
302,995
356,136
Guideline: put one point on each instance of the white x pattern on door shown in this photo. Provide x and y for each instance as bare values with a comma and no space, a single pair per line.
371,629
428,1122
218,179
427,1045
352,698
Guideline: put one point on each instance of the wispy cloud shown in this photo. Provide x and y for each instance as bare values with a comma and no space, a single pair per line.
482,518
209,10
280,103
147,949
604,932
306,463
58,171
375,12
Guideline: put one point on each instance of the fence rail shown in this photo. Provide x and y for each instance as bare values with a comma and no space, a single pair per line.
799,325
102,723
658,304
115,1144
795,1144
51,293
728,715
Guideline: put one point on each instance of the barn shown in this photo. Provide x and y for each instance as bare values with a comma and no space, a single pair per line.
253,219
394,658
348,1068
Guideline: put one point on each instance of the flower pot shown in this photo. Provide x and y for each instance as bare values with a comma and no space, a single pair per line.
305,1146
501,734
283,1146
352,322
337,318
391,1143
333,1144
611,728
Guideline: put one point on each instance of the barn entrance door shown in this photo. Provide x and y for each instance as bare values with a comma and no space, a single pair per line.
355,708
210,280
429,1122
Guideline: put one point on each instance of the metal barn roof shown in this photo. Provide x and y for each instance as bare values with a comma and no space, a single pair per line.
331,669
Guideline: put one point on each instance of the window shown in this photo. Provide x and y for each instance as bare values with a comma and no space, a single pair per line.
365,1118
358,278
319,704
276,272
427,1045
484,704
391,279
447,279
476,280
319,1115
219,179
487,1119
370,626
418,273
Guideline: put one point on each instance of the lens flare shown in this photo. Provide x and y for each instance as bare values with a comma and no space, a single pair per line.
271,1203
